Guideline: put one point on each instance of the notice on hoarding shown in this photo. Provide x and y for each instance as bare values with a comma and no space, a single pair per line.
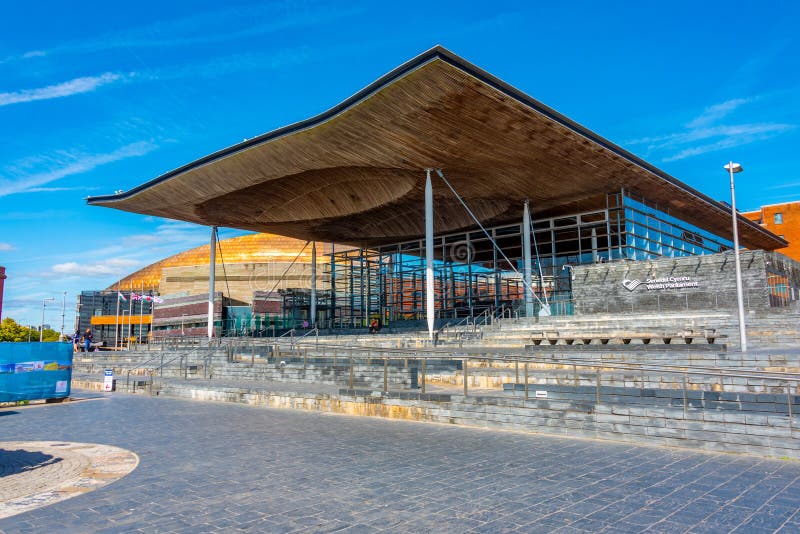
108,379
30,371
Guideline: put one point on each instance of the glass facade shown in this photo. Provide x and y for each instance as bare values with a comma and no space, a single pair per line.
476,272
98,310
652,233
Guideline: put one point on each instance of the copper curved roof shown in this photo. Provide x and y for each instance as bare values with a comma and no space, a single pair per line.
252,248
355,174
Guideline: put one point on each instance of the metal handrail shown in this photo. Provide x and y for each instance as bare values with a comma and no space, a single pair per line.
510,357
312,331
448,326
160,367
287,333
140,366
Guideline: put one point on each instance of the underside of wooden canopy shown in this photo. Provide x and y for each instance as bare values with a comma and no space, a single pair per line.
356,173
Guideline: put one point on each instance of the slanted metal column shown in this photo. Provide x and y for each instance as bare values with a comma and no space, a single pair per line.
212,264
333,286
526,259
313,310
469,275
429,310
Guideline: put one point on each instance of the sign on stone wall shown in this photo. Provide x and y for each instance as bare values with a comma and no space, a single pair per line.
658,284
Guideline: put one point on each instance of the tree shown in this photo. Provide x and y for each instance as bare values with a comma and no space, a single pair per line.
10,330
49,335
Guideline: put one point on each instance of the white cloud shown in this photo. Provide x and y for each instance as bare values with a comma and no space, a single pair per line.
111,266
72,87
226,65
737,136
702,134
785,185
66,165
204,28
171,233
718,111
56,189
6,247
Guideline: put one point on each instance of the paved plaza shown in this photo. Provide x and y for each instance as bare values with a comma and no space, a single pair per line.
207,467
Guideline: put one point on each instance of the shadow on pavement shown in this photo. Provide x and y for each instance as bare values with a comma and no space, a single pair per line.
21,461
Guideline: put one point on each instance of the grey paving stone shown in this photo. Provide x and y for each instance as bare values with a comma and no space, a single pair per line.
213,467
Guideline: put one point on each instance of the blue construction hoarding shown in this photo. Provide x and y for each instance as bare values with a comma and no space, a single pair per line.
30,371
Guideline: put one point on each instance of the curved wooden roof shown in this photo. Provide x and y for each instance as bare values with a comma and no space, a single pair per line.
355,174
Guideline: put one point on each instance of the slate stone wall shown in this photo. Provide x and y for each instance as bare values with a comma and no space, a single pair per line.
674,284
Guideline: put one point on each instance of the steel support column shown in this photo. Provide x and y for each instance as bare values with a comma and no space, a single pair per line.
469,275
429,281
333,286
313,303
212,273
526,259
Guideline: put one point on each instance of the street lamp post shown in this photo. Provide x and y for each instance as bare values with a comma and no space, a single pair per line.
123,328
63,309
732,169
41,325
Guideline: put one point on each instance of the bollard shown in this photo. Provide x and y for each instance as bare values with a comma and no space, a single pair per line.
516,376
466,377
684,395
385,375
526,380
789,398
597,398
351,372
422,378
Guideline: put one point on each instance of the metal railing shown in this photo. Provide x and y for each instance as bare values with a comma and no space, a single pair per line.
505,373
152,370
610,381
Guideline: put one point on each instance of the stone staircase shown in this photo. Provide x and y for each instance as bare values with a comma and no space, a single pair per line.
778,328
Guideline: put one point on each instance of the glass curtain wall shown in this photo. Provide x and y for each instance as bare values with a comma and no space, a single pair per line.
652,233
477,275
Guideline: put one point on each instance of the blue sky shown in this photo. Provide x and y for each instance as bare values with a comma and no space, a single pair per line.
101,96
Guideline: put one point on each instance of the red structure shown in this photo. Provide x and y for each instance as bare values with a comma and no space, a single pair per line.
2,282
782,220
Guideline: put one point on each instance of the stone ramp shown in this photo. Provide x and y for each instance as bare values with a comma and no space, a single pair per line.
760,424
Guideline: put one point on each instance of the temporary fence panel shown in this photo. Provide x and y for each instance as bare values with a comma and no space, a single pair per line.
30,371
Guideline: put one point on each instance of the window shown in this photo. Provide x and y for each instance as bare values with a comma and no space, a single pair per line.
779,218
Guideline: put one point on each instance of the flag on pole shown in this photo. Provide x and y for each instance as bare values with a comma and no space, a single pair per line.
121,297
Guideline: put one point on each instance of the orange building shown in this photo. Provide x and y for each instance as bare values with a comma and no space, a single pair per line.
251,249
246,264
783,220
